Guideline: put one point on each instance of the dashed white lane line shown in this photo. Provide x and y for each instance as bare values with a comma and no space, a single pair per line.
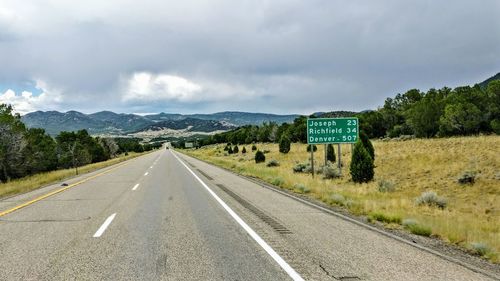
135,187
105,225
151,167
281,262
147,173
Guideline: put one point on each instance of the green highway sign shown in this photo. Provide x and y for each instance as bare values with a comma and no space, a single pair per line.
332,130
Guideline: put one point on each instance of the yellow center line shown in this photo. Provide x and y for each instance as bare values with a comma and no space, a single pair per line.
58,191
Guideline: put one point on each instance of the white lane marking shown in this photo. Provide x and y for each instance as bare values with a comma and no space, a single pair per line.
147,173
281,262
135,187
105,225
151,167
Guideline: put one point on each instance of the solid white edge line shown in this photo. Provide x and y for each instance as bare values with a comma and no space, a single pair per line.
105,225
135,187
281,262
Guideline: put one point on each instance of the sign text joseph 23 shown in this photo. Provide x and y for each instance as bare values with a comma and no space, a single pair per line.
332,130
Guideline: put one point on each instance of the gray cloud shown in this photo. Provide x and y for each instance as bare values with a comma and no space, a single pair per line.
272,56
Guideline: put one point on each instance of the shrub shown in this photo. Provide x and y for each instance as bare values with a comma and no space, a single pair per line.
244,150
260,157
330,153
386,186
284,144
266,151
367,144
385,218
337,199
415,228
299,168
302,188
467,178
254,148
229,150
362,168
480,248
315,148
495,126
330,172
226,148
278,181
430,198
236,149
273,163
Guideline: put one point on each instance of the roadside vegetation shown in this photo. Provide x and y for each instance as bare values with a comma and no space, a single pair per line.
32,152
33,182
445,112
418,184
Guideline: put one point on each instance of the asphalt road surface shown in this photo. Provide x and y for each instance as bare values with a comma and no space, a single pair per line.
166,216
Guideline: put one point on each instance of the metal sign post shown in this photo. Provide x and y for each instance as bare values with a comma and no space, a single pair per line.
312,159
326,155
340,159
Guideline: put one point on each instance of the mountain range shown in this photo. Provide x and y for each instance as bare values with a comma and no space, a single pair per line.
154,125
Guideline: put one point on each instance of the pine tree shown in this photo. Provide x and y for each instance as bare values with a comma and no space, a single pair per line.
367,144
244,150
284,144
236,149
260,157
362,168
330,153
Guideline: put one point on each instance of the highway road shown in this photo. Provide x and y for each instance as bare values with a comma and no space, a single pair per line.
167,216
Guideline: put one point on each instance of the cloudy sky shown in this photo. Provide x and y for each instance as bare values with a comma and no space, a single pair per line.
279,56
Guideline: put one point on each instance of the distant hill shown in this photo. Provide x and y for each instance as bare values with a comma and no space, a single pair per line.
124,122
336,114
190,124
485,83
110,123
54,122
233,117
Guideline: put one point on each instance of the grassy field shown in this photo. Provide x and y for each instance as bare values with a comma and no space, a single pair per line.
36,181
404,170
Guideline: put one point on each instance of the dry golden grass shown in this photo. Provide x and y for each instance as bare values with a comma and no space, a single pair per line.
33,182
472,214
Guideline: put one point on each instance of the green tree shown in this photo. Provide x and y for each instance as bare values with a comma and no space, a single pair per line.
495,126
284,144
12,144
72,152
298,130
367,144
460,119
330,153
41,151
423,117
236,149
362,167
493,92
373,124
260,157
244,150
